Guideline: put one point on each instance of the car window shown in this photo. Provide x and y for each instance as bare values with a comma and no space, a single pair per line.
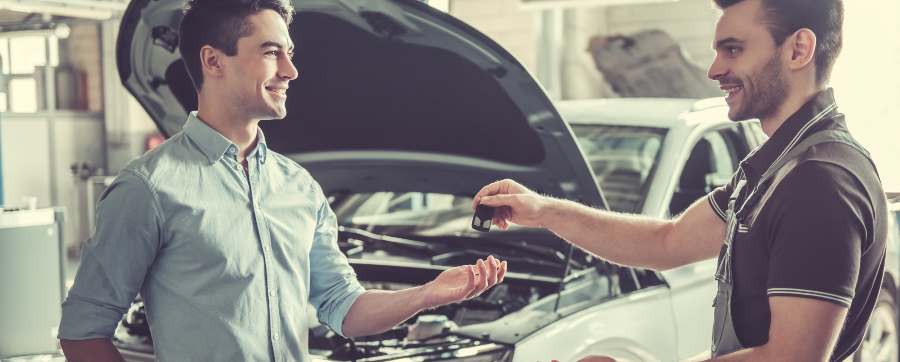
623,159
711,163
724,155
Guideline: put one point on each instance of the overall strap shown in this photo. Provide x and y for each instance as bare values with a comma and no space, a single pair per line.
826,136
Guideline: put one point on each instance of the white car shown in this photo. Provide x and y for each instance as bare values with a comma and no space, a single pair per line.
402,113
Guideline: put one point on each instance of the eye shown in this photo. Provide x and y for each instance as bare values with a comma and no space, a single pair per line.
272,52
732,50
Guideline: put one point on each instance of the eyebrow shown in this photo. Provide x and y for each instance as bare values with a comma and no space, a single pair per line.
267,44
726,41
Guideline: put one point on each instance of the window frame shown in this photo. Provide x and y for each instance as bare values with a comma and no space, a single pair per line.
7,75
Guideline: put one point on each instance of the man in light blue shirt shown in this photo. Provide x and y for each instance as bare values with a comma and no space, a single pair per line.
228,242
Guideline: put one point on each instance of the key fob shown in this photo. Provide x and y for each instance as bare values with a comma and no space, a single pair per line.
481,221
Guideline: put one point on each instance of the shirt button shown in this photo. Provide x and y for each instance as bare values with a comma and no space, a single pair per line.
275,336
272,293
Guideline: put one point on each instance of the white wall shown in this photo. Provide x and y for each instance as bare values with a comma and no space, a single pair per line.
25,146
505,21
690,22
38,151
866,81
580,77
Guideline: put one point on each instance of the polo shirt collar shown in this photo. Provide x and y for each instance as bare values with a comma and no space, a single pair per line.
820,107
214,145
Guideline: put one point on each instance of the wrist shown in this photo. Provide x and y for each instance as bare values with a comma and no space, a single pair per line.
549,212
421,297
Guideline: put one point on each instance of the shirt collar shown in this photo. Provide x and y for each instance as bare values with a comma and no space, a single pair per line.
820,106
214,145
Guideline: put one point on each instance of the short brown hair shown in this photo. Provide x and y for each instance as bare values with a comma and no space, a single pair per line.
220,23
825,18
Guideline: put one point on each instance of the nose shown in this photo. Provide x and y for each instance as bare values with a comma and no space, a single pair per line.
287,70
717,69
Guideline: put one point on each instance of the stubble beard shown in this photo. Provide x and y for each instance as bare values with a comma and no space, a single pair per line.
764,92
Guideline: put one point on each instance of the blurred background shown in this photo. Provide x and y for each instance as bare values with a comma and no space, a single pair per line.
67,125
65,117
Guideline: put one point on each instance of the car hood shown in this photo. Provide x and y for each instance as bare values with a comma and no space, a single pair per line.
393,95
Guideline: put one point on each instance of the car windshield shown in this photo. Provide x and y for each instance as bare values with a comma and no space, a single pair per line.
623,158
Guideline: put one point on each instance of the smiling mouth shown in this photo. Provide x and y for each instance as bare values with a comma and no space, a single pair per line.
281,92
731,90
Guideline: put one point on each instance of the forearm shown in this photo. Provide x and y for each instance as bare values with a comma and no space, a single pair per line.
625,239
377,311
91,350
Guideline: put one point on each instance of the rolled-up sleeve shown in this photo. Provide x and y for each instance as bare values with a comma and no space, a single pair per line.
115,261
718,198
333,284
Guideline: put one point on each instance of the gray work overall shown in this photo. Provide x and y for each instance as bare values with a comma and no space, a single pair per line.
724,337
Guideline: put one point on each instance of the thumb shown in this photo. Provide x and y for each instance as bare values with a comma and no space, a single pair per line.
499,200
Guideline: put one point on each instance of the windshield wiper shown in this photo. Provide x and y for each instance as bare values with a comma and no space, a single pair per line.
448,257
383,241
449,250
488,244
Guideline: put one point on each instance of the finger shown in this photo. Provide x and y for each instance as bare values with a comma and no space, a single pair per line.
502,222
489,189
485,274
472,287
494,265
491,272
471,280
482,278
502,272
506,214
499,218
500,200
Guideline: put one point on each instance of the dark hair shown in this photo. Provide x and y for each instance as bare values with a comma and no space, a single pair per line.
220,23
824,17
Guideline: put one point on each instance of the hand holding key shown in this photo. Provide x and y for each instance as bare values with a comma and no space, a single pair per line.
512,203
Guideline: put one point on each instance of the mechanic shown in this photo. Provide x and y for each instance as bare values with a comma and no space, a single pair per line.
803,220
229,242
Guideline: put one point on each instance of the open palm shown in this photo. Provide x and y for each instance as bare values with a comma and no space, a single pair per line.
465,282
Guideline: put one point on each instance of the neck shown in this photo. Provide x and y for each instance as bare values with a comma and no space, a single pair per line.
228,121
792,103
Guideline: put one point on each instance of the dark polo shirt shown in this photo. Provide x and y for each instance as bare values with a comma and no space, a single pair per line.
820,232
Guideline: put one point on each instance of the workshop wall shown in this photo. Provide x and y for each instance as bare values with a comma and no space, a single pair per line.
690,22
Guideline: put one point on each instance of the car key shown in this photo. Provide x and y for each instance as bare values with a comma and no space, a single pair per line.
481,221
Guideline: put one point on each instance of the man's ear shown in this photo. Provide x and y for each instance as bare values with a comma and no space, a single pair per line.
802,48
211,62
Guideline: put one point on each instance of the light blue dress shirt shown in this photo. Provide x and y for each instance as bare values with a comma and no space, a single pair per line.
226,262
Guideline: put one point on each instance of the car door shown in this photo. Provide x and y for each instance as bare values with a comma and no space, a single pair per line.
711,163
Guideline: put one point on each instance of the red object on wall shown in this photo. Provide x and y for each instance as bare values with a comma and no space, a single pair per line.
153,140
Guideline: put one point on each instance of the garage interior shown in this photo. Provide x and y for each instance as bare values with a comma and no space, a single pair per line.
68,125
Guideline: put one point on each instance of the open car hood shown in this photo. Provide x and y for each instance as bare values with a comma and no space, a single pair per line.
393,96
